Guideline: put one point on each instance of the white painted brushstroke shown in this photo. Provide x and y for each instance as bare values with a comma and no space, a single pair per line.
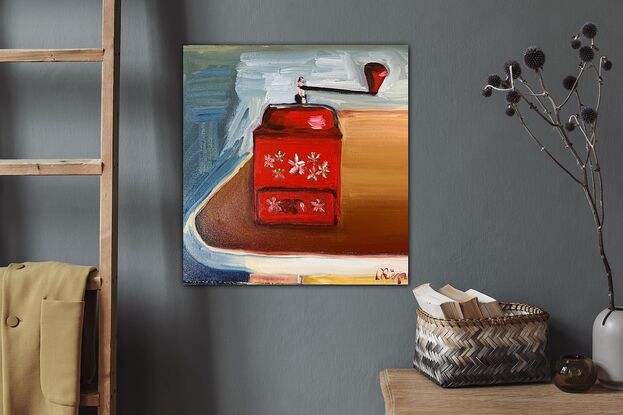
268,76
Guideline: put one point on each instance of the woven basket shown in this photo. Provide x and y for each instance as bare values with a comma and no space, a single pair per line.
487,351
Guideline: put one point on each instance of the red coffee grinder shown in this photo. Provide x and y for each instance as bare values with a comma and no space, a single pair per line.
297,156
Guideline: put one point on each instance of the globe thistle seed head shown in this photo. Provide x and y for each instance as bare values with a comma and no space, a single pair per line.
512,97
487,91
589,30
588,115
586,54
576,43
569,82
607,64
494,80
569,126
533,57
510,110
516,68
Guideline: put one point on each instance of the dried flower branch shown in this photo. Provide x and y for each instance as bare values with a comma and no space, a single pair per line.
585,119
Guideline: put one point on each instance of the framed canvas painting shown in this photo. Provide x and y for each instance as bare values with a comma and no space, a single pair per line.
296,164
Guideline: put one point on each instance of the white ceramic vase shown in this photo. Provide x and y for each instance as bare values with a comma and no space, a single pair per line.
608,348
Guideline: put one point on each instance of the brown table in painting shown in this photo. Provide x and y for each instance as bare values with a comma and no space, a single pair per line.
406,391
374,200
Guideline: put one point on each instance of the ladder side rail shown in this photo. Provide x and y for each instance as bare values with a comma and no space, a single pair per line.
108,207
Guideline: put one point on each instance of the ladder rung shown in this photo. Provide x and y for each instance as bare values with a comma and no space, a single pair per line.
89,396
94,281
51,55
26,167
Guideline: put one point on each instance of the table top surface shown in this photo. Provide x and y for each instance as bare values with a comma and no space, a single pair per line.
374,198
406,391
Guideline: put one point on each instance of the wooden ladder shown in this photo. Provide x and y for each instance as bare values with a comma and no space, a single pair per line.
103,394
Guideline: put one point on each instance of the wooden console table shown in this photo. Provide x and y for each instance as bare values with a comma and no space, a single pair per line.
406,391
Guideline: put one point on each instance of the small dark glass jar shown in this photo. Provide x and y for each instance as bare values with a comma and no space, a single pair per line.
574,373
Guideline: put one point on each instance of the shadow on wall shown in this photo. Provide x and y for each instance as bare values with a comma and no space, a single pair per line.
160,343
10,220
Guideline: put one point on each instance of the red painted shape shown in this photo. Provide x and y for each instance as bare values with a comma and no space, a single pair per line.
375,76
314,120
297,158
296,207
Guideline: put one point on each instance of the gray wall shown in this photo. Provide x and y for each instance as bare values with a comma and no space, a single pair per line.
488,210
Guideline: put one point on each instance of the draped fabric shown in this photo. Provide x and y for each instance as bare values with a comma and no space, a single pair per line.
42,306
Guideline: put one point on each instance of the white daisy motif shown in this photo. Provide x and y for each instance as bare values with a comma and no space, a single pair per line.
274,205
318,205
269,161
323,169
313,174
313,158
298,166
280,155
278,174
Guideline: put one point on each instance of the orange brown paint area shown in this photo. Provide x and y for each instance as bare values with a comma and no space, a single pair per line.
375,207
